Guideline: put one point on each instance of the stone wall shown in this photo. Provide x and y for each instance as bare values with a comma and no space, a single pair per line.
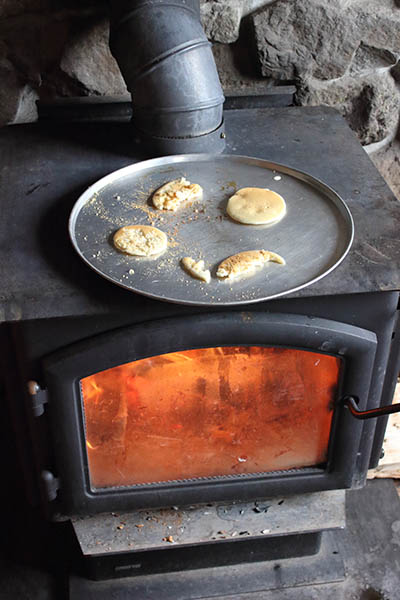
342,53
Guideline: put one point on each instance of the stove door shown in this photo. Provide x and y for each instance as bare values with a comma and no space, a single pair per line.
208,407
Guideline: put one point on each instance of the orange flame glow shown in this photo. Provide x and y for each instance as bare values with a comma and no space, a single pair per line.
208,412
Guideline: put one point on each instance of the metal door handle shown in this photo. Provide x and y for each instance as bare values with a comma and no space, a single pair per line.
351,404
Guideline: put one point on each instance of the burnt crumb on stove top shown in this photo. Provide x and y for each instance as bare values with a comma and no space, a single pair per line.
261,508
33,188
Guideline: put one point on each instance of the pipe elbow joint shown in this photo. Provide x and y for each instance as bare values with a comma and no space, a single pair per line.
168,66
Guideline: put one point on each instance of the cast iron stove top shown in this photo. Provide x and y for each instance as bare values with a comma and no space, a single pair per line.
47,165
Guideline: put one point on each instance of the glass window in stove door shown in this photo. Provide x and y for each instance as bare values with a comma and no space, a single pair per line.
209,412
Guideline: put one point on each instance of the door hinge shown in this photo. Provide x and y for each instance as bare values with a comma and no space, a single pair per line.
38,398
51,484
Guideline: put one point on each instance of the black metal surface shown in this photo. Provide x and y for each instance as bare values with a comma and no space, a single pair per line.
201,556
114,108
279,95
213,141
45,169
168,66
260,570
374,413
85,109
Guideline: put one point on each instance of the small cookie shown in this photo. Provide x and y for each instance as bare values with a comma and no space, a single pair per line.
140,240
173,194
196,269
245,263
256,206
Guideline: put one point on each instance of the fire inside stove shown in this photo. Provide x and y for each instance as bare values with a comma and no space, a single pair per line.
209,412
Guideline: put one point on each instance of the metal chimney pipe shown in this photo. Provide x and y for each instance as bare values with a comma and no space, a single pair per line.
168,66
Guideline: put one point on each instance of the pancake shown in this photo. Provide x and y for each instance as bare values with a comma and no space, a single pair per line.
256,206
173,194
140,240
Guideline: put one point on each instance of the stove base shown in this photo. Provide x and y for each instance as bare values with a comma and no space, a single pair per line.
359,562
149,541
201,556
223,582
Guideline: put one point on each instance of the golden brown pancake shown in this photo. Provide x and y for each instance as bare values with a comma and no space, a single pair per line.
256,206
173,194
140,240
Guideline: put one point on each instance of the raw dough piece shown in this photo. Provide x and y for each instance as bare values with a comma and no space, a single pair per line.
245,263
171,195
196,269
256,206
140,240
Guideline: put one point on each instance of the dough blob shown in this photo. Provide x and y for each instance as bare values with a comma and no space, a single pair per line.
196,269
245,263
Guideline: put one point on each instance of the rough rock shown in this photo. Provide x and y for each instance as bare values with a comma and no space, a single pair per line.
26,107
250,6
319,38
17,99
237,71
30,48
88,60
370,104
221,20
367,59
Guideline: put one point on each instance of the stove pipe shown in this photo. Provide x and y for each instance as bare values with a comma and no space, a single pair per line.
168,66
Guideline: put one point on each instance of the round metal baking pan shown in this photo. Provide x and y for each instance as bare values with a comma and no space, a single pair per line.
314,236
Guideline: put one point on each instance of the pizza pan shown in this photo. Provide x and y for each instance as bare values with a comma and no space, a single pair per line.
314,236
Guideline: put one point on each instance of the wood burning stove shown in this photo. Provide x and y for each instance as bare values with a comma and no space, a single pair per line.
138,403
